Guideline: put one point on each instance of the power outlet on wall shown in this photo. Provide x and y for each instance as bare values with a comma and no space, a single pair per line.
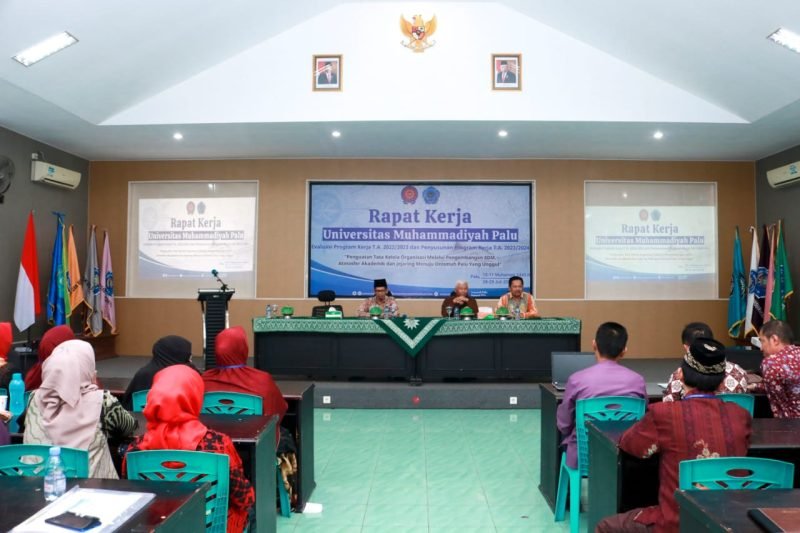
512,400
326,399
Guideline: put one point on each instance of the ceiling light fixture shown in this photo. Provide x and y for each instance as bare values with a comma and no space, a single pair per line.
658,135
502,133
336,134
177,136
45,48
786,38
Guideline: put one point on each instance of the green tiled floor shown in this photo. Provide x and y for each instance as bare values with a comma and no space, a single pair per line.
426,471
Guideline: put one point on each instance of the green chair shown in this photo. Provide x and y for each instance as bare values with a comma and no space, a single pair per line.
31,460
192,467
139,400
569,479
232,403
746,401
735,473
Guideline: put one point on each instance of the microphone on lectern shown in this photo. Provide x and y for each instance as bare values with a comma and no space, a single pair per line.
223,285
214,272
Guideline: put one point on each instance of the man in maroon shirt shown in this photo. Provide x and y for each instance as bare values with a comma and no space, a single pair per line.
699,427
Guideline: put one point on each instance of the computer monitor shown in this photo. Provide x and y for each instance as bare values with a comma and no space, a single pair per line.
564,364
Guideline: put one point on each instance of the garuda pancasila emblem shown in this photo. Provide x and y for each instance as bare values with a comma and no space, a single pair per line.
418,31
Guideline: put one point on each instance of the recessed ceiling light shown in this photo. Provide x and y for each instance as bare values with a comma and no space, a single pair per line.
502,133
336,134
177,136
658,135
786,38
42,49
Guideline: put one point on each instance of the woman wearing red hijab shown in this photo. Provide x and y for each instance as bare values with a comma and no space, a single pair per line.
52,338
172,413
232,373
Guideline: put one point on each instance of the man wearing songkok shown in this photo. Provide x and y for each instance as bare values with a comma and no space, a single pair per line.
460,299
735,380
518,299
605,378
780,369
381,299
699,427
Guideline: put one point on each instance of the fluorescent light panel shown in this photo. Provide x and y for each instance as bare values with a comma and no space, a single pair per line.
45,48
786,38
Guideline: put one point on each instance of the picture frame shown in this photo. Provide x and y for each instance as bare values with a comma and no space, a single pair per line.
326,73
506,72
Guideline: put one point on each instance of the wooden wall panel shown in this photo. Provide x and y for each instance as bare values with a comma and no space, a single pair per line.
654,325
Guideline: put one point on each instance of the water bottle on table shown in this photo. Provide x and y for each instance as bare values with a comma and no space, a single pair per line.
516,313
387,312
457,312
55,481
16,400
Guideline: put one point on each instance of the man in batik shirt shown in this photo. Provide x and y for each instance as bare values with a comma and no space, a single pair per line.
700,426
780,369
735,380
381,299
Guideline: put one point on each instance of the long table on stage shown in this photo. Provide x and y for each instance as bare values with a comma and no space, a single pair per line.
353,348
619,482
723,511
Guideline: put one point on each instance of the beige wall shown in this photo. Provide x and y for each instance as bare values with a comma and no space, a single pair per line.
654,326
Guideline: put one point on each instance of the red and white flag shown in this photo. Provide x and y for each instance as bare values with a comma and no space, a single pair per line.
107,287
28,303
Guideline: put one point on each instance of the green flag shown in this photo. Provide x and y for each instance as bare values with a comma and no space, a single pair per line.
782,289
737,302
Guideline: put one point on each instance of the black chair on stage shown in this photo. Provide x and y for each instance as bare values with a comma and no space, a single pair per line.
326,297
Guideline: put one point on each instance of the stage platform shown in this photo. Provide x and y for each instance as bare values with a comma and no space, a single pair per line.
400,395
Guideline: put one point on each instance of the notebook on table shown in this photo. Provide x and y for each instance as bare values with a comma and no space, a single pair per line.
564,364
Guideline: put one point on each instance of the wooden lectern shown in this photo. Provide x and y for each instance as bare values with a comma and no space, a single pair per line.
214,304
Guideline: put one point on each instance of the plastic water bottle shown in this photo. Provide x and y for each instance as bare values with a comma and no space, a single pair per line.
16,402
55,482
516,313
457,312
387,312
269,311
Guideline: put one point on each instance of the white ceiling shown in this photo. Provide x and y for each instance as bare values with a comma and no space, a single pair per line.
131,54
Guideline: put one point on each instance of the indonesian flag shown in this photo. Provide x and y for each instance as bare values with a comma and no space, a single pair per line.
28,303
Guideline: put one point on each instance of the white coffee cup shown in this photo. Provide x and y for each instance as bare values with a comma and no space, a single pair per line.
3,402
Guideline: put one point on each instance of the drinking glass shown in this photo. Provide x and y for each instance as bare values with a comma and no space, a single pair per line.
449,310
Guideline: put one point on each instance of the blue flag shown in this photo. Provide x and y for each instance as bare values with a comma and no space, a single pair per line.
57,303
737,302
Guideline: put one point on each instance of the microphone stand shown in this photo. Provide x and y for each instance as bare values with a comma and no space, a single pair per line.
223,285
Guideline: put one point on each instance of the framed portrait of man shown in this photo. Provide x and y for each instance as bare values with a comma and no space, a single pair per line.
327,73
507,72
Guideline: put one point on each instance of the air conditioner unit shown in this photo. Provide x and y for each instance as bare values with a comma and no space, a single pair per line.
781,177
53,175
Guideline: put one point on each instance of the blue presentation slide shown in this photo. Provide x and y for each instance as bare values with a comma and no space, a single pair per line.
420,237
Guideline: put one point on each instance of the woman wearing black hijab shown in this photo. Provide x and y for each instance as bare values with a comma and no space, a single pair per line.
167,351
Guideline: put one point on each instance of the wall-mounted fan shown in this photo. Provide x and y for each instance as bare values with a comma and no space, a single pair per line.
6,174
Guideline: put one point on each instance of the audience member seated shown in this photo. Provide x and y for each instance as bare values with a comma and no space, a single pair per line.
172,413
735,380
69,410
459,299
6,369
605,378
780,369
52,338
700,426
167,351
232,373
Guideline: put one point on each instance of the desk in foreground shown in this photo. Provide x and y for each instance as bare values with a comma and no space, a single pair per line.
177,507
488,350
726,510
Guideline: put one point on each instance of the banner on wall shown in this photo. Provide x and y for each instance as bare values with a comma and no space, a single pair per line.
421,237
640,248
183,237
